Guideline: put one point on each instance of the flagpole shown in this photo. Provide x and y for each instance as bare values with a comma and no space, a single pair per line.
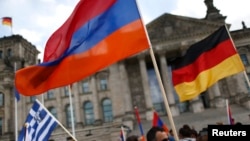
42,98
123,135
139,123
16,124
57,121
228,119
245,74
170,117
71,111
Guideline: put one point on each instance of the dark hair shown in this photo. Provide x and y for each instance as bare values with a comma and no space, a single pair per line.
238,123
151,134
132,138
185,132
203,132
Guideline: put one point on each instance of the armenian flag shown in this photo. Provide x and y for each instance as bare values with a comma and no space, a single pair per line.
157,122
97,34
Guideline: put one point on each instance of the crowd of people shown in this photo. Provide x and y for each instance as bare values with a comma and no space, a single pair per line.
185,133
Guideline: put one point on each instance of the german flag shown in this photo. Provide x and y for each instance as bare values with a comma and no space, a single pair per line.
205,63
7,21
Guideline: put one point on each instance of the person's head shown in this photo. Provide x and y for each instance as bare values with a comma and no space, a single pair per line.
238,123
132,138
185,132
157,134
203,135
171,132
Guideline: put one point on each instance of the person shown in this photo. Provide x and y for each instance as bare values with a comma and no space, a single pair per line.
132,138
69,139
157,134
185,134
203,135
171,135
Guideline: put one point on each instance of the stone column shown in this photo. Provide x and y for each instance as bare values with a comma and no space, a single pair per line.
167,84
118,101
125,90
196,105
238,87
95,101
214,92
145,83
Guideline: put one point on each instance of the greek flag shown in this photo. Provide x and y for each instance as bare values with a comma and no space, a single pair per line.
39,124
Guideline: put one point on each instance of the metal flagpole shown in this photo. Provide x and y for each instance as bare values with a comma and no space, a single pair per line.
170,117
71,111
16,122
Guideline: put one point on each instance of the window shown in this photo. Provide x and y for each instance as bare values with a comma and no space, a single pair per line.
1,126
50,94
155,92
107,110
244,59
102,80
103,84
88,113
85,87
66,91
9,52
68,116
1,54
32,98
52,110
1,99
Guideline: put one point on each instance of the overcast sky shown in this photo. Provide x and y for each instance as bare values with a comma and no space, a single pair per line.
36,20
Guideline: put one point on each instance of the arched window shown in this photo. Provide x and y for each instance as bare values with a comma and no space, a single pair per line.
52,110
88,113
68,116
1,99
107,110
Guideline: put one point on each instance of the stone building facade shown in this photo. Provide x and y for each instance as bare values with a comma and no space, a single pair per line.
106,100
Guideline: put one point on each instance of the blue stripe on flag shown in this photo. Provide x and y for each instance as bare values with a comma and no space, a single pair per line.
16,94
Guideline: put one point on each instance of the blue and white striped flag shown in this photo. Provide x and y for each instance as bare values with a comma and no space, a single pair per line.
39,124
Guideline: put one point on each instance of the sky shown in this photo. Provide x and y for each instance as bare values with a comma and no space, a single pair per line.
36,20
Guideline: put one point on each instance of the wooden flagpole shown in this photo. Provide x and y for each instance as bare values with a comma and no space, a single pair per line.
170,117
